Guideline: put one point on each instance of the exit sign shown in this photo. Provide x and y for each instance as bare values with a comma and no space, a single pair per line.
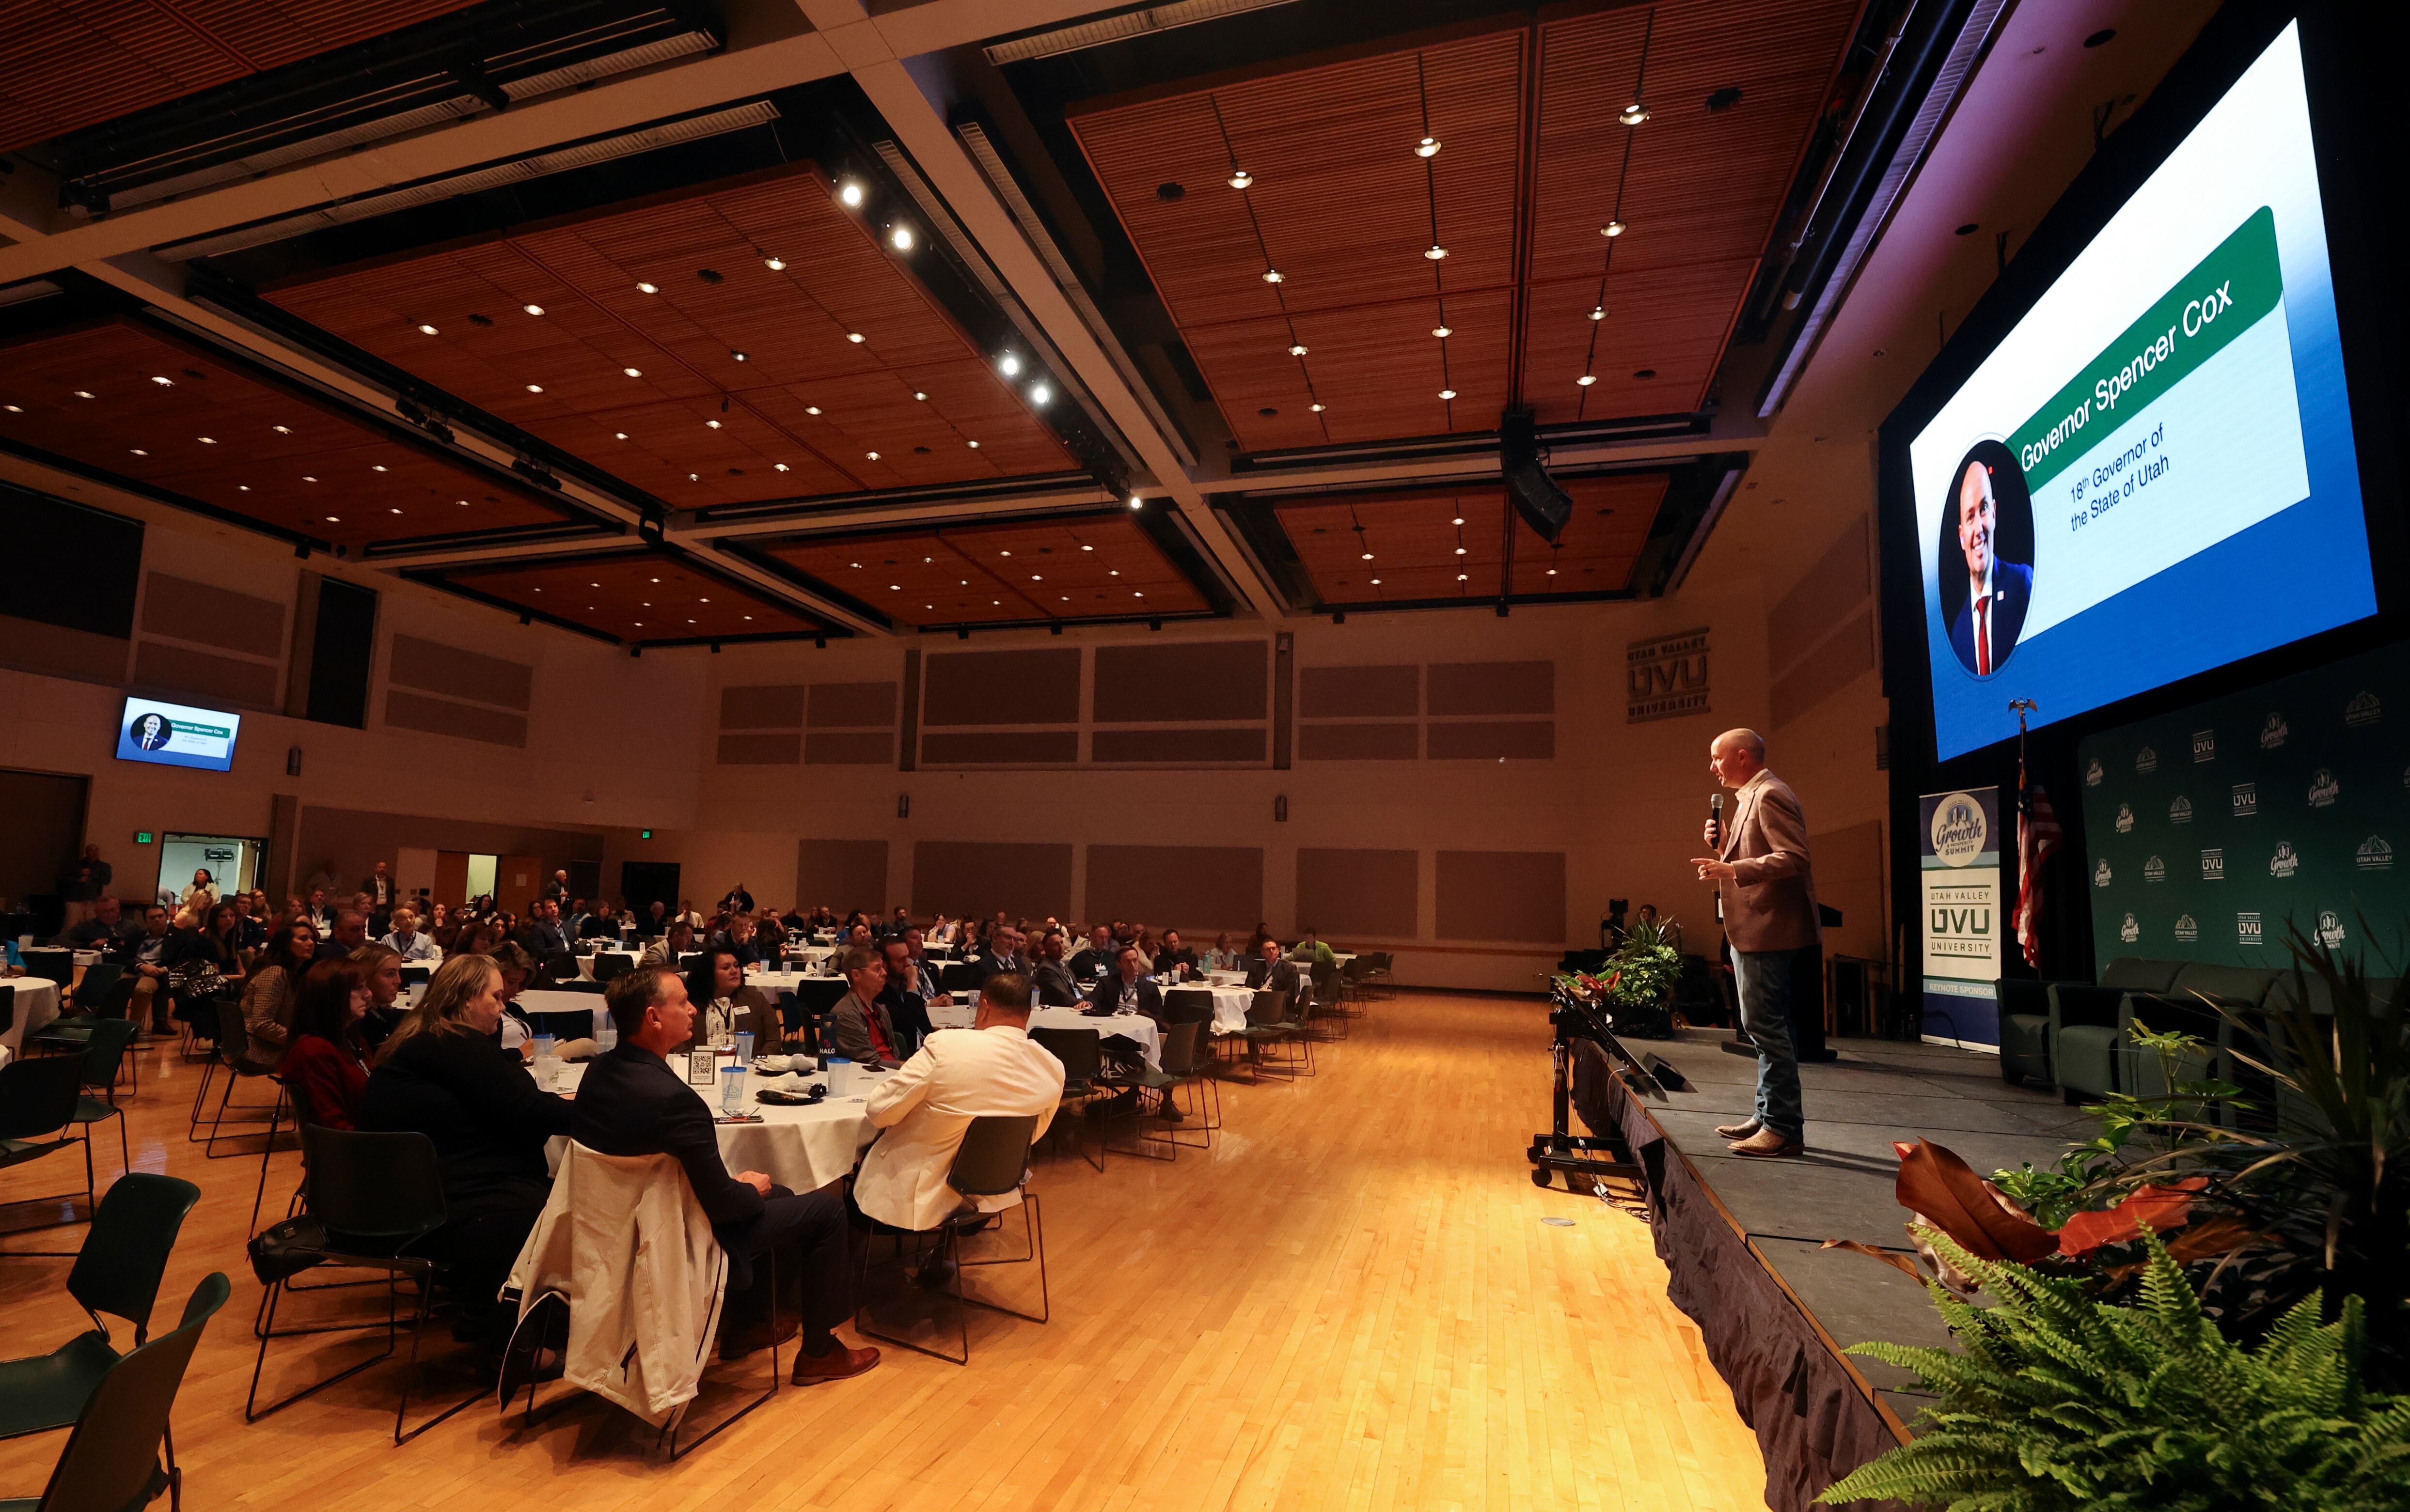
643,834
142,837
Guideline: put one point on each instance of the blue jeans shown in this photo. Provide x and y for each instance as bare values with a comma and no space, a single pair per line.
1764,978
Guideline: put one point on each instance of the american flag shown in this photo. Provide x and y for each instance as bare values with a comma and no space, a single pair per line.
2038,835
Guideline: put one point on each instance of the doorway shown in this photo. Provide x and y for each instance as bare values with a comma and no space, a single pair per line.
232,863
645,883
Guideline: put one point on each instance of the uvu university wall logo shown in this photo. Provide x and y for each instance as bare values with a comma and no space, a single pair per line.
2246,929
2130,931
2375,855
1959,830
2155,869
2180,811
2246,799
2125,818
2213,864
2186,930
2204,746
2324,789
2285,862
2147,760
2272,733
2365,709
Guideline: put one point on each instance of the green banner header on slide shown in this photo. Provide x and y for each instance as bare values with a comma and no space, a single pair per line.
2224,296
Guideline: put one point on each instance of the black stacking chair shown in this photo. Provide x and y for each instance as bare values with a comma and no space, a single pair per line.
38,1097
1082,1052
111,1460
993,1160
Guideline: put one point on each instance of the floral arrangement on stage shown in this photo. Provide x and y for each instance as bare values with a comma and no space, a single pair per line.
2207,1305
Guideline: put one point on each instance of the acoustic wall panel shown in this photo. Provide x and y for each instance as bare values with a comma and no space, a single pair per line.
1182,682
1501,895
1358,742
958,876
1346,893
1197,889
406,710
207,614
452,673
1000,748
1493,688
849,748
1492,739
204,676
1360,692
845,874
762,707
760,748
1174,747
852,706
1001,687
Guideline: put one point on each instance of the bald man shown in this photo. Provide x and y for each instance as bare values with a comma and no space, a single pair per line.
1770,919
1985,631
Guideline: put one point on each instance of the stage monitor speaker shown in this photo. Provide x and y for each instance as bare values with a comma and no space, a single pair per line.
1535,495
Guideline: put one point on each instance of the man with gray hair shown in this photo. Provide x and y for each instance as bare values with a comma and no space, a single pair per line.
1769,919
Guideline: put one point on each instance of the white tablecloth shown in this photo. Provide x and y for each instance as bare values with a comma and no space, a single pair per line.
800,1148
810,954
586,963
555,1001
1137,1026
38,1003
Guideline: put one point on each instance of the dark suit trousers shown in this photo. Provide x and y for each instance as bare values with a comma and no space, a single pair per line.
814,1244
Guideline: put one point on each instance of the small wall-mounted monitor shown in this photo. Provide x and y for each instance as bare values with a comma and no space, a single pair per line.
177,735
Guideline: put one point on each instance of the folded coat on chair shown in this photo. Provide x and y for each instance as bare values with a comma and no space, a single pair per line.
623,1238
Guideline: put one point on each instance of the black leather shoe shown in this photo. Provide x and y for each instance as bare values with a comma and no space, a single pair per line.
539,1348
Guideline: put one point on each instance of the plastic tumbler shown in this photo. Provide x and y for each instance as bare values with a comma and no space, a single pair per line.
731,1088
840,1075
745,1048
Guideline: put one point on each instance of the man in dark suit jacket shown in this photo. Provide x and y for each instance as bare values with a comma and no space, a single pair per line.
1129,990
1051,980
1002,953
1769,919
1997,593
630,1102
542,935
1095,961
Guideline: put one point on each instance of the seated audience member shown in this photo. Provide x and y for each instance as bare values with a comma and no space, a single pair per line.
1095,961
1311,952
993,1069
1051,980
1272,972
149,957
542,935
200,892
1171,958
655,920
107,931
319,909
351,931
725,1007
267,995
1255,941
737,902
665,952
630,1102
603,924
861,1028
381,968
941,930
687,911
1002,953
1129,990
739,939
518,969
1222,958
409,942
249,922
439,1075
325,1061
220,942
906,1001
897,925
475,938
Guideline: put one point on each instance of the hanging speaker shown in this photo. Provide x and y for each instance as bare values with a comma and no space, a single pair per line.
1535,495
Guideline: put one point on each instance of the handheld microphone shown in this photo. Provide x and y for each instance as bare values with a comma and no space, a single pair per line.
1715,821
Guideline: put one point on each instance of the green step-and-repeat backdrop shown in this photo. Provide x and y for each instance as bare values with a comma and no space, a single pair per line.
2213,829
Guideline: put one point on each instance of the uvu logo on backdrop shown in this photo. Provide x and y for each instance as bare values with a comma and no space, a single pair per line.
2186,930
2147,760
2204,746
2365,709
2247,928
2155,869
2374,855
2213,864
1960,864
1665,677
2246,799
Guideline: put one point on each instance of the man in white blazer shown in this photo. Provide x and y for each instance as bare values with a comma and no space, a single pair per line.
958,1075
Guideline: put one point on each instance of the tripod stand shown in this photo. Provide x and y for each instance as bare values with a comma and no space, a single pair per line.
1601,1158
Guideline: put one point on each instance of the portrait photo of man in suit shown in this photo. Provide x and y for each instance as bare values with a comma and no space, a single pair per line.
1984,630
152,730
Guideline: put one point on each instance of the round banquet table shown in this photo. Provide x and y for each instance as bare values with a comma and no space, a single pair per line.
1137,1026
802,1150
586,963
37,1004
810,954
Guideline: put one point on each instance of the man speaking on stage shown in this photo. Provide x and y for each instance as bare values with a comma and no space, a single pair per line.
1769,918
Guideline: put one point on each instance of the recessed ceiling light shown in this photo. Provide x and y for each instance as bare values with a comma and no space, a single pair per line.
1463,578
632,372
464,504
306,478
1241,177
139,451
1009,367
1035,577
1458,519
896,588
656,580
900,239
83,393
702,600
1087,548
649,288
1586,380
1137,593
619,435
426,329
1271,275
1460,551
162,382
1113,572
1041,393
974,446
245,488
777,466
1428,147
1443,332
738,356
918,394
532,310
713,424
1634,114
1137,502
1436,253
1598,312
1447,394
205,440
811,409
376,467
1376,583
1552,571
854,336
334,519
535,388
1315,408
1613,228
873,455
850,194
393,511
17,409
1296,349
1367,556
776,264
1003,553
281,430
748,616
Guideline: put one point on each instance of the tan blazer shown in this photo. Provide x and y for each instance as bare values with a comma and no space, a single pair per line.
925,1108
1771,904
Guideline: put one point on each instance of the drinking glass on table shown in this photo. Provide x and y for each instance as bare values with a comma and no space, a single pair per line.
731,1088
744,1049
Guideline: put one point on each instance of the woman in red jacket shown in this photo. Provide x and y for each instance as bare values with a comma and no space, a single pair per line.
325,1063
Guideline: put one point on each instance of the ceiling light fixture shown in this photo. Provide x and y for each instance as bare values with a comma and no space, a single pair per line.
1296,349
811,409
736,356
86,394
854,336
849,193
1460,551
1271,275
1447,394
1436,253
649,288
376,467
900,239
1367,556
205,440
713,424
139,451
1586,380
873,455
777,466
974,446
1458,519
425,330
620,435
1009,367
776,264
1463,578
532,310
1040,394
1316,408
1137,502
1634,114
281,430
1443,332
1241,177
1598,312
1613,228
918,394
632,372
1085,548
535,388
1428,147
162,382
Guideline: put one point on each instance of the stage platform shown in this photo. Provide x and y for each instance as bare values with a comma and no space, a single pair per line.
1742,1238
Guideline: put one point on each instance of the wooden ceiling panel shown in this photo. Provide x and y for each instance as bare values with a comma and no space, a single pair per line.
1095,567
637,596
912,577
563,375
1418,549
272,456
69,63
1344,209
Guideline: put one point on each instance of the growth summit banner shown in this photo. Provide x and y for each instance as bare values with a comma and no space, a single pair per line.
1960,845
2213,832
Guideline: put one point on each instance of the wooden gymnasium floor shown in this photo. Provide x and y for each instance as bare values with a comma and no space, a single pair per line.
1351,1302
